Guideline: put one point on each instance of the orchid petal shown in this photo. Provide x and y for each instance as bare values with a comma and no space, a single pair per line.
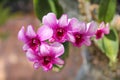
25,47
30,55
63,21
71,37
36,65
82,27
50,20
87,42
92,28
57,49
102,25
106,29
44,50
45,33
74,24
58,61
30,32
47,67
21,34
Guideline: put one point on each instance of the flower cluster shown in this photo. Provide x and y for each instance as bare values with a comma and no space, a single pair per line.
45,47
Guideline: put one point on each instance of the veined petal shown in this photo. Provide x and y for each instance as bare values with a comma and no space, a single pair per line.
106,29
45,33
102,25
83,27
57,49
50,20
36,65
44,49
87,42
30,32
58,61
21,34
70,37
74,24
25,47
30,55
92,28
63,21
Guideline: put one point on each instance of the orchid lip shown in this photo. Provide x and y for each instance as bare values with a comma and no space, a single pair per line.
60,32
34,43
47,60
78,38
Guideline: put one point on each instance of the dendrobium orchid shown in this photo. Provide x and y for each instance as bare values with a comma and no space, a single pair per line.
47,57
45,47
81,32
34,40
60,27
103,29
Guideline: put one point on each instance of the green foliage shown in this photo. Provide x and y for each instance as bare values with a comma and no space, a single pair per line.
107,10
42,7
95,1
66,53
4,14
110,45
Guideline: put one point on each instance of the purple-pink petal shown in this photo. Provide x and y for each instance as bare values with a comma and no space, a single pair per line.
50,20
30,32
106,29
58,61
45,32
47,67
63,21
31,55
92,28
87,42
70,37
21,34
36,65
74,25
83,27
25,47
44,50
57,49
103,29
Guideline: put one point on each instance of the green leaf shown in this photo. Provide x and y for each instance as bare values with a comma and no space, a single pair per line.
42,7
100,45
56,7
111,45
66,53
107,10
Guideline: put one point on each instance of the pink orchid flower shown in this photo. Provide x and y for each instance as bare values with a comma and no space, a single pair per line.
60,27
47,57
34,40
103,29
81,32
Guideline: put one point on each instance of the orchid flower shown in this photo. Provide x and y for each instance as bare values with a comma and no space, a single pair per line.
103,29
81,32
34,40
47,57
60,27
